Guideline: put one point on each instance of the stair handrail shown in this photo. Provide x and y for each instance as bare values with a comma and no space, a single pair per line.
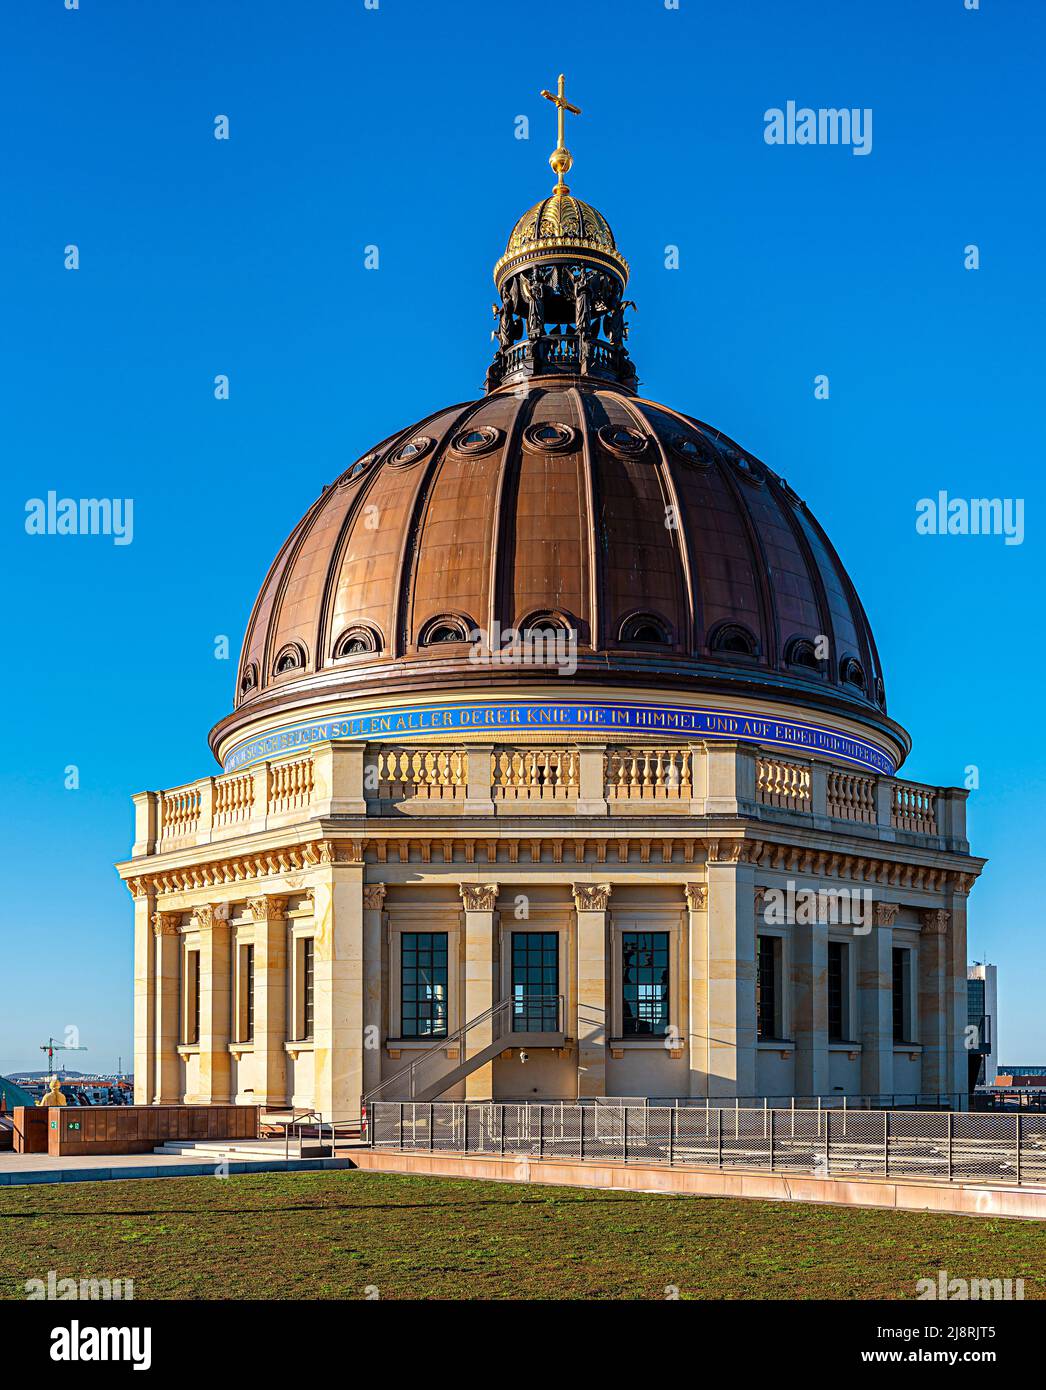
458,1034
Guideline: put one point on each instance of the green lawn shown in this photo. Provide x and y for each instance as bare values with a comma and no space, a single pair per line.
331,1235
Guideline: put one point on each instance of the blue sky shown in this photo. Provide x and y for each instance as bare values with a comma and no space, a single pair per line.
396,127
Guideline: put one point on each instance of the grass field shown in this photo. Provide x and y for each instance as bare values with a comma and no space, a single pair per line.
331,1235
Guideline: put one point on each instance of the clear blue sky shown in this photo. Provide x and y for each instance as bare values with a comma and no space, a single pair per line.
352,127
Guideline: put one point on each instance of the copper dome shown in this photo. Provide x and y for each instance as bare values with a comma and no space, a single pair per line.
680,561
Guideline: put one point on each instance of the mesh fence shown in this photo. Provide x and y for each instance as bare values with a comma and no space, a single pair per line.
946,1145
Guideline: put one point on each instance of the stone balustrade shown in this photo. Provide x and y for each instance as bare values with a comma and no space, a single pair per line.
534,774
851,796
427,774
648,774
786,784
486,779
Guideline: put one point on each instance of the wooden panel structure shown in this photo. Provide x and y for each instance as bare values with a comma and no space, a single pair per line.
30,1136
129,1129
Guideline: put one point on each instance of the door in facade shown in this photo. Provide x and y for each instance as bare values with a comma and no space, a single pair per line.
535,981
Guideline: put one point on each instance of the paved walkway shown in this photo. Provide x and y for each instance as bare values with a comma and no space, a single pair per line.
18,1169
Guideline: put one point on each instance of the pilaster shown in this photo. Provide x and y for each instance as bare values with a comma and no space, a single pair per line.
592,939
270,1000
212,920
144,992
338,983
810,1007
697,1021
373,922
875,1002
167,1089
480,914
958,1072
935,1001
731,1025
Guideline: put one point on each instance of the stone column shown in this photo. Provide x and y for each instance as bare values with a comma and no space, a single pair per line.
731,1024
697,1019
810,1007
338,981
480,903
270,1000
212,920
144,992
935,1001
373,921
591,900
875,1002
167,1088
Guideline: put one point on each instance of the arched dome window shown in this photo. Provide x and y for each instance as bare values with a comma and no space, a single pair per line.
852,672
642,629
801,652
447,628
289,658
249,679
733,638
546,622
357,640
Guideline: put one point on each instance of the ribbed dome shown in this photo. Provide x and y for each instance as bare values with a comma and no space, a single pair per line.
557,227
562,218
679,559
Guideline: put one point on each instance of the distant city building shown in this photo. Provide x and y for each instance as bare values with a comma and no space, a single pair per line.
982,1006
1027,1078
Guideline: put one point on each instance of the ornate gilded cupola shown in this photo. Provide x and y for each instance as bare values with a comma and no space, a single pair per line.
562,284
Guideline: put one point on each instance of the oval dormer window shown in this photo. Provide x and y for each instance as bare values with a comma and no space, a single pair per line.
412,451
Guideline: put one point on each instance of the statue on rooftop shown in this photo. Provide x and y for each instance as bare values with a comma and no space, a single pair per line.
53,1095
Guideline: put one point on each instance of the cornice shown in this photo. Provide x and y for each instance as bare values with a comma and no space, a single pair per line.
956,875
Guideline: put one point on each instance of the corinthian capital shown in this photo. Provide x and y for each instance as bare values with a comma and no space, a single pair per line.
209,915
267,907
166,923
479,897
886,914
591,897
696,896
935,920
374,896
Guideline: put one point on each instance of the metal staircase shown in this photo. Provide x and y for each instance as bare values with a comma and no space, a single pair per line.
510,1025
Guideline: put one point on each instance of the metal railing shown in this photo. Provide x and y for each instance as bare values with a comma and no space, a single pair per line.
949,1146
310,1125
521,1014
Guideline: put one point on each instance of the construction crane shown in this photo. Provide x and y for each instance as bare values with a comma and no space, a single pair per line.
51,1047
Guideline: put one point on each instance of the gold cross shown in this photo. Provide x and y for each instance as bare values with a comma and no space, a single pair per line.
561,158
